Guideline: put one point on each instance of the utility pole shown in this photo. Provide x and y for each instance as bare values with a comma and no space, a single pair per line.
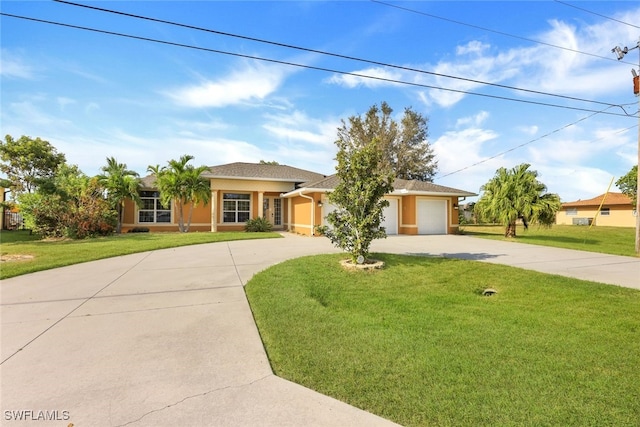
620,53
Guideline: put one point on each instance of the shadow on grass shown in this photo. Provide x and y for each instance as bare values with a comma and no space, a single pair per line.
420,256
559,239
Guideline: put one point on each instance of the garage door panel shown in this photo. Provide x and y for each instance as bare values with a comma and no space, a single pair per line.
390,222
432,217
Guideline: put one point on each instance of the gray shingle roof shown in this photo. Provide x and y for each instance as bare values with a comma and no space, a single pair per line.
259,171
148,181
254,171
332,181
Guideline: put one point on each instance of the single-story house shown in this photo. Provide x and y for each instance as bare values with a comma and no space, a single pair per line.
293,200
617,211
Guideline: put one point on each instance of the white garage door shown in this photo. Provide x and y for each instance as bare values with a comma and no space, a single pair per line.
432,217
327,208
390,222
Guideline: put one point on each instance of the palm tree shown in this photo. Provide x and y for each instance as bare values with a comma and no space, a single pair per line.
514,194
183,185
120,184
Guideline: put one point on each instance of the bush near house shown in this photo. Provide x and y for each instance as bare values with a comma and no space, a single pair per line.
258,225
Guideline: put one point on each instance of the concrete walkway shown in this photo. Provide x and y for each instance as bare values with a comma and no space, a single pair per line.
167,338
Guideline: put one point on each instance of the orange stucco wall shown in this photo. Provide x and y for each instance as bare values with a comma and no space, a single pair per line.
255,210
454,215
408,217
200,221
301,214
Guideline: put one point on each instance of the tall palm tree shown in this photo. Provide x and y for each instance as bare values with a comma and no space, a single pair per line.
120,184
514,194
182,184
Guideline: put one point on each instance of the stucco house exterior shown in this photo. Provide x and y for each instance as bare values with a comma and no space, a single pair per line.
617,211
293,200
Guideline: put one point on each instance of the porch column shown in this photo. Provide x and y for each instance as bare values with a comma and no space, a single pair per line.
260,204
214,210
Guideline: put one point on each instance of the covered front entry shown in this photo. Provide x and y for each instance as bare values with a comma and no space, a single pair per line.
432,217
272,210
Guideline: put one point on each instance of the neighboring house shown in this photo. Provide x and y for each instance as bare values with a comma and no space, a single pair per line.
295,200
617,211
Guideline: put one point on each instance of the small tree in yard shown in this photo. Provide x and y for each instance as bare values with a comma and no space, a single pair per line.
121,184
514,194
182,184
358,197
27,162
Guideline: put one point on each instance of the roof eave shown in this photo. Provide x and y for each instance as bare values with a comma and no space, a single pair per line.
253,178
305,190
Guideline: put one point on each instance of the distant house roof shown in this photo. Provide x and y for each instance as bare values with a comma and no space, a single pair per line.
251,171
610,199
400,186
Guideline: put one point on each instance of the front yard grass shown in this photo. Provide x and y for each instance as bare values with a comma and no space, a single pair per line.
51,254
608,240
418,344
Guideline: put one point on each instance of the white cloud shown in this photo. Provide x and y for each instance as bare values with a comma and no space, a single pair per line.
14,67
540,67
303,141
64,101
474,46
529,130
474,69
574,182
580,146
475,120
298,127
351,81
91,107
252,83
456,150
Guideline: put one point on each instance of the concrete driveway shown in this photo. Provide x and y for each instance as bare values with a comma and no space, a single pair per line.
167,338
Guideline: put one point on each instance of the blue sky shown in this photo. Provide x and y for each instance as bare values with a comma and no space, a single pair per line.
94,95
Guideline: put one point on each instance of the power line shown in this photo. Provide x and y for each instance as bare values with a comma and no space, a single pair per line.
530,142
310,67
595,13
493,31
335,55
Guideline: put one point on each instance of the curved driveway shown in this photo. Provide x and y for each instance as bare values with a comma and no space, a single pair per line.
167,338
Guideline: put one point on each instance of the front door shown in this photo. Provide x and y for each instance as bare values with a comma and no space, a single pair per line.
272,208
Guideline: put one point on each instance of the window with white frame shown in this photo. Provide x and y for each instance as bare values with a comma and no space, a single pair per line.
151,210
572,211
604,212
236,207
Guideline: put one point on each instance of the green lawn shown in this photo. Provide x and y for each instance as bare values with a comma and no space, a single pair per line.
51,254
418,344
609,240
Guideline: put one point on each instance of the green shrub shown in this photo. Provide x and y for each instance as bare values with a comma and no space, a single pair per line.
258,225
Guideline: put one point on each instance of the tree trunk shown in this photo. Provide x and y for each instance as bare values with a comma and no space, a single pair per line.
189,217
120,215
510,230
180,216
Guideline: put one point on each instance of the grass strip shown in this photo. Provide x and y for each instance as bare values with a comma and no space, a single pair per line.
418,344
51,254
608,240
